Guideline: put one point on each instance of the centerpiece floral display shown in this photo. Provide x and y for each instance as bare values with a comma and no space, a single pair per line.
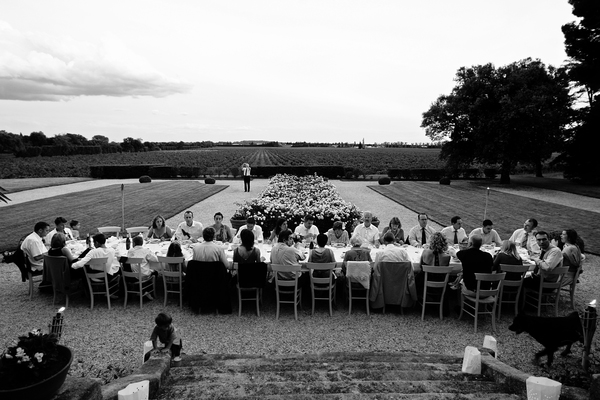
293,197
35,358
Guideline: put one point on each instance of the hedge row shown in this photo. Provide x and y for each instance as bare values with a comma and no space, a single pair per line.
328,171
122,171
437,174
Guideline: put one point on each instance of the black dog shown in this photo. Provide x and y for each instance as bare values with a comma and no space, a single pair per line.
551,333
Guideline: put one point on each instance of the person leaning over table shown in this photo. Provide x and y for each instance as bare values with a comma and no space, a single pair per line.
34,247
101,251
280,226
209,251
307,230
420,234
188,229
455,233
284,253
222,231
488,235
251,226
367,232
392,252
159,230
138,251
525,236
337,234
550,258
395,227
474,260
60,227
58,248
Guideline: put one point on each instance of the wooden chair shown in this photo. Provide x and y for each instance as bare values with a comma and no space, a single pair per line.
511,288
136,230
355,286
107,230
136,282
284,287
32,277
549,286
324,286
435,285
570,287
172,280
251,278
484,298
99,282
59,273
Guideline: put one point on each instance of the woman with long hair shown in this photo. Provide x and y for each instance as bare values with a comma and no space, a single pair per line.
281,225
437,253
222,231
395,226
572,256
508,254
159,230
246,252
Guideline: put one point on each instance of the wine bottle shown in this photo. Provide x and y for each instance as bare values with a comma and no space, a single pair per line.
88,241
128,242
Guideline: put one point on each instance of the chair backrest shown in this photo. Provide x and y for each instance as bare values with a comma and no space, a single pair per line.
494,280
169,262
360,272
511,271
321,267
116,230
97,268
279,281
556,277
135,230
136,275
429,269
58,270
251,275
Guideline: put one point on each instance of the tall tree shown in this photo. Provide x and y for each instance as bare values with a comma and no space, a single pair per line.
582,45
516,113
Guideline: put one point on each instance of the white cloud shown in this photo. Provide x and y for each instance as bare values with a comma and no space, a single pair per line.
36,66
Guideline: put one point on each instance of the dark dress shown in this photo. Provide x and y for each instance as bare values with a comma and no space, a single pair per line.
253,257
474,261
503,258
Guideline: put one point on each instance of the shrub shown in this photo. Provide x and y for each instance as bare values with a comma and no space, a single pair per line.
445,181
120,171
384,181
163,172
145,179
490,173
210,181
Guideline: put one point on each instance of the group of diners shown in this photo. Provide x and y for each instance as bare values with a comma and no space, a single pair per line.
546,250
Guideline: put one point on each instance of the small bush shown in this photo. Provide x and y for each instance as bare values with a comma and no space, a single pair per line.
210,181
384,181
445,181
145,179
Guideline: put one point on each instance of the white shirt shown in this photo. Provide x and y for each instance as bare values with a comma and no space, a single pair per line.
67,232
112,256
258,232
488,238
392,253
302,231
195,231
146,254
448,232
33,246
367,235
518,237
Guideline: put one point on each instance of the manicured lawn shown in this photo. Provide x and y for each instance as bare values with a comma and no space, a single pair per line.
102,207
18,185
562,185
507,211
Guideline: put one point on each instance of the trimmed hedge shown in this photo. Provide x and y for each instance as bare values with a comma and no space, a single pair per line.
163,172
328,171
384,181
145,179
210,181
445,181
430,174
120,171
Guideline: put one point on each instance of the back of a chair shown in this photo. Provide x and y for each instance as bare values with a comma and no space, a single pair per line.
321,267
436,283
359,272
138,276
252,275
281,282
553,279
136,230
494,280
115,230
168,264
97,268
512,270
59,271
394,280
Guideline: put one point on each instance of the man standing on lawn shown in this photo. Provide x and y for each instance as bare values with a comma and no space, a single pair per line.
34,247
525,236
420,234
189,229
455,233
488,235
246,174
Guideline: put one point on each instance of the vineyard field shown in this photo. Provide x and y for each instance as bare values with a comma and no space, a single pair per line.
219,161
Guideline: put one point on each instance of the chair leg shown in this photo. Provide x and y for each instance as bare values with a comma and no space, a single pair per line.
462,306
258,302
442,306
349,299
313,301
30,287
277,296
124,301
494,318
239,301
476,314
367,301
330,303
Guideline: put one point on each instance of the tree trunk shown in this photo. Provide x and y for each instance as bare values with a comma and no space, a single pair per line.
538,169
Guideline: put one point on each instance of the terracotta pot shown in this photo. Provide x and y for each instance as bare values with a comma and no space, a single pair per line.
45,389
237,223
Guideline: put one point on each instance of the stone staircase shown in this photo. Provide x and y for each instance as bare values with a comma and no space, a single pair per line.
327,376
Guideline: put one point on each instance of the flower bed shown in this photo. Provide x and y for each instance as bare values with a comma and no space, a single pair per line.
292,197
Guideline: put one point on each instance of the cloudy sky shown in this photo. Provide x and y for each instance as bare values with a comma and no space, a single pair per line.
315,70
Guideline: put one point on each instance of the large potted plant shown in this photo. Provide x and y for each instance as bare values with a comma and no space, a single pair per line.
237,220
35,368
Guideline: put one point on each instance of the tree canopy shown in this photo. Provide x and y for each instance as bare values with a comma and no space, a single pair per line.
515,113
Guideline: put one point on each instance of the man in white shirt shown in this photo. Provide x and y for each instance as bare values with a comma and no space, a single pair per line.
60,227
307,230
420,234
138,251
525,236
112,266
189,229
550,257
251,225
367,232
246,174
209,251
392,252
488,235
455,233
34,247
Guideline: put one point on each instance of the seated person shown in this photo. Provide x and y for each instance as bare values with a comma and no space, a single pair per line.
159,230
550,258
455,233
392,252
138,251
356,253
488,235
75,227
395,226
307,230
223,232
60,227
189,229
34,247
338,235
525,237
508,254
285,253
246,252
437,254
251,226
100,250
174,250
209,251
280,225
321,254
58,248
420,234
367,232
474,260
